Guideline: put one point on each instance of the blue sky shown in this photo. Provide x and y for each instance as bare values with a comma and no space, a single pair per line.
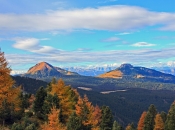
82,33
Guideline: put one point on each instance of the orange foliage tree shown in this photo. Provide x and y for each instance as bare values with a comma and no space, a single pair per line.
9,94
67,98
89,115
141,121
6,81
96,118
53,121
159,124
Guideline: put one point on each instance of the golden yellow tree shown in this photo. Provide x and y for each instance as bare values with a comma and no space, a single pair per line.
6,81
159,124
53,121
67,98
84,110
141,121
10,102
96,118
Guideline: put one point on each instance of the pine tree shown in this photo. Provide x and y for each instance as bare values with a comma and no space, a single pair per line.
159,124
50,101
116,126
5,111
169,124
74,122
141,121
107,118
39,102
149,119
164,116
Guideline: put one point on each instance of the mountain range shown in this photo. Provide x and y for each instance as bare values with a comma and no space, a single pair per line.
125,76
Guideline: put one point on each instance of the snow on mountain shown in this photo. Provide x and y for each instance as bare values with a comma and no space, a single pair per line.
90,71
16,72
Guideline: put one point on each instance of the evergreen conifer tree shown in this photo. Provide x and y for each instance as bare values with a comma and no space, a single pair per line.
39,102
74,122
170,122
164,116
116,126
50,101
149,119
107,118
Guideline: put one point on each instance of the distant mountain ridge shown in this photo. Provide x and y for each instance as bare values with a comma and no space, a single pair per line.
165,69
90,71
127,70
44,69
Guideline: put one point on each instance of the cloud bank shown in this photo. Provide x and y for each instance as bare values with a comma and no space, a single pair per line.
85,55
143,44
118,18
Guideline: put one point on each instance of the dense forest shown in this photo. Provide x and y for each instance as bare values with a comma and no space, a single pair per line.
60,107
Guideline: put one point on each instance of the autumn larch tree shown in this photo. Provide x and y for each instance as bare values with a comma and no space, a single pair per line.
84,110
159,124
9,94
67,99
96,118
6,81
53,121
141,121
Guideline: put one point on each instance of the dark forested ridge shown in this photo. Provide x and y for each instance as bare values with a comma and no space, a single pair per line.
126,105
29,85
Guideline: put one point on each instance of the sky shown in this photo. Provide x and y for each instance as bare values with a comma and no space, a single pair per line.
69,33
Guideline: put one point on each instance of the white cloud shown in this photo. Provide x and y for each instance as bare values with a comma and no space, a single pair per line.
143,44
27,44
117,17
32,45
111,39
124,33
